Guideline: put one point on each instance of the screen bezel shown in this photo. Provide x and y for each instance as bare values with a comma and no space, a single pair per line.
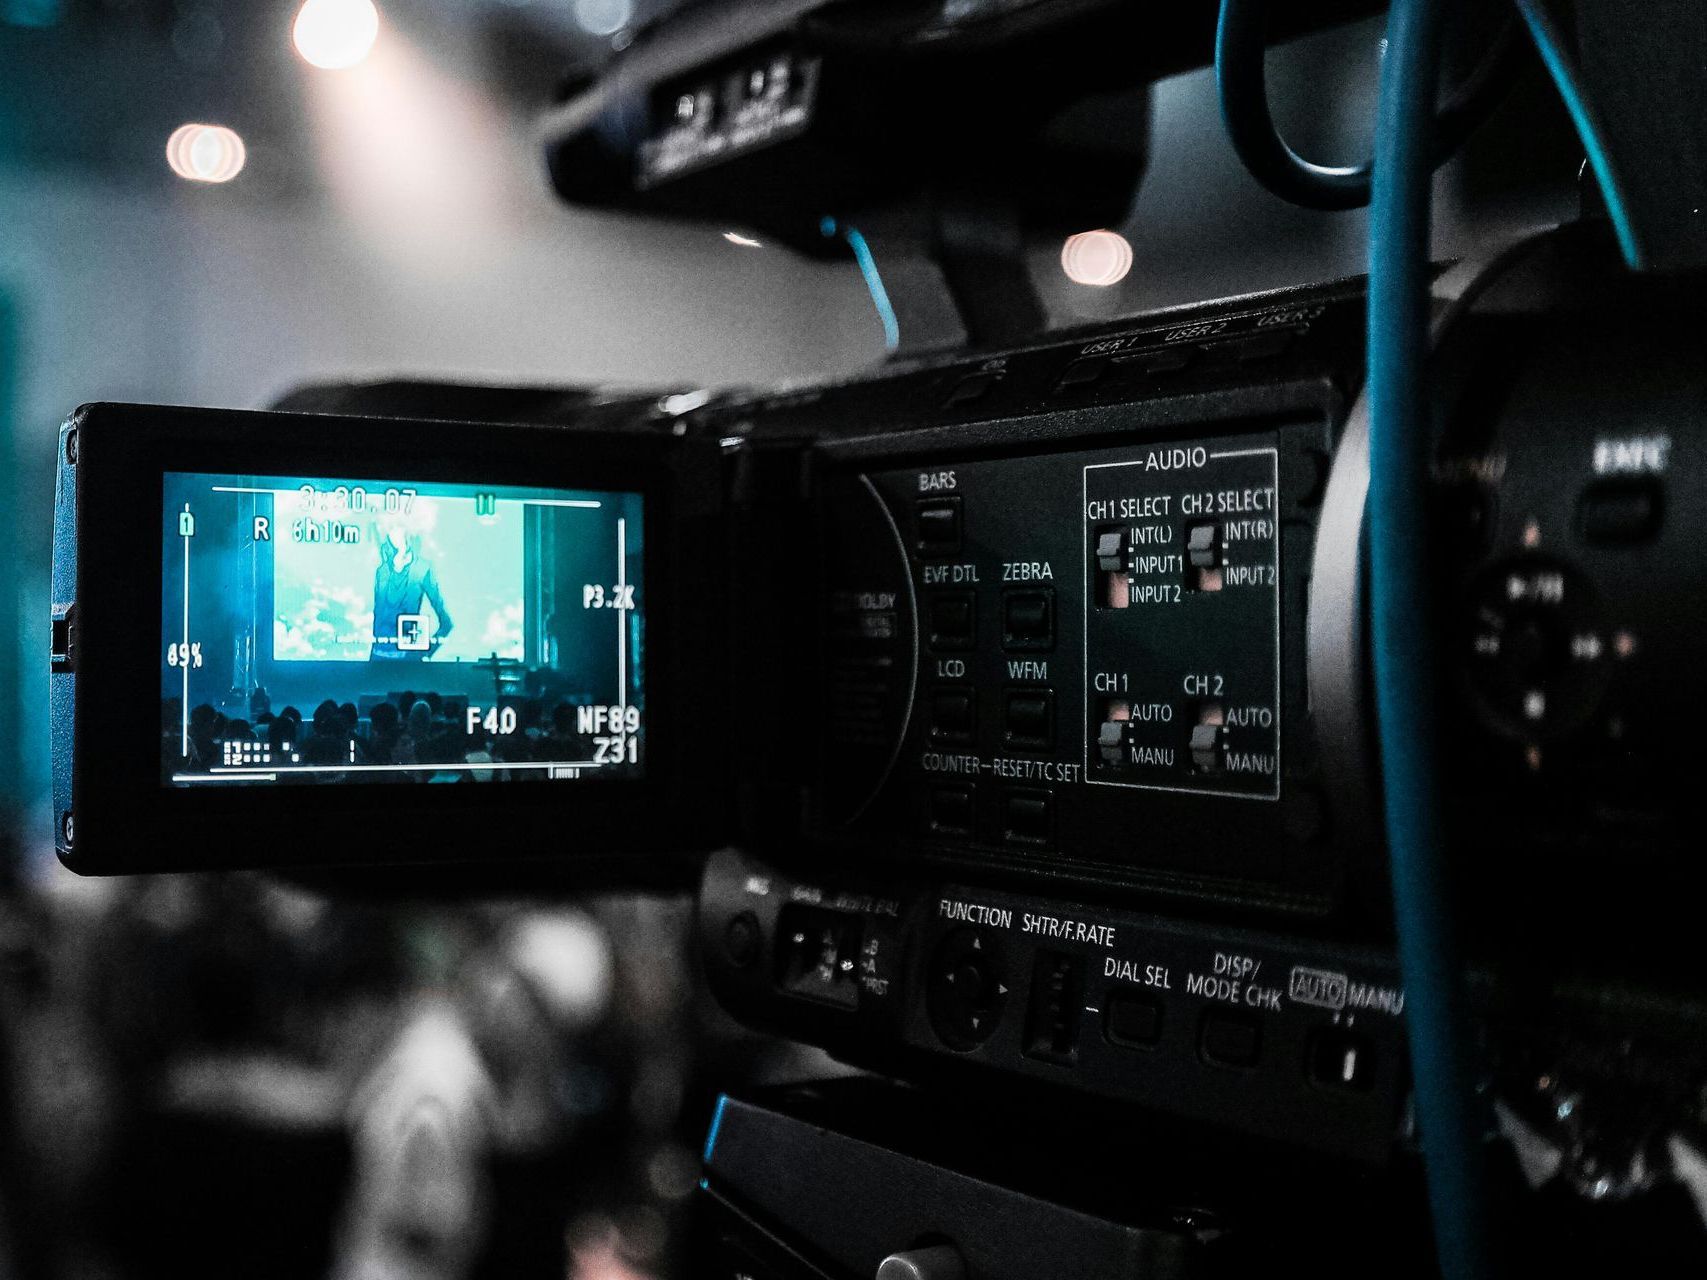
127,821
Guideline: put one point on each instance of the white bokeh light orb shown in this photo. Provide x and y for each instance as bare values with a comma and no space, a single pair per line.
1096,258
603,17
334,34
205,153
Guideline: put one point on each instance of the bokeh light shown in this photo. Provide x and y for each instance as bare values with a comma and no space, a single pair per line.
1096,258
603,17
334,34
205,153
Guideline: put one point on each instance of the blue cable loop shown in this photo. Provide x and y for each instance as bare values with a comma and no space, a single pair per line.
1551,46
873,278
1241,80
1399,445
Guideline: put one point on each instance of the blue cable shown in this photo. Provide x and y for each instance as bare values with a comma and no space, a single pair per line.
1399,443
873,279
1551,46
711,1133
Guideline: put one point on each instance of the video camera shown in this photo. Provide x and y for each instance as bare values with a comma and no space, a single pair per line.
1012,711
1081,620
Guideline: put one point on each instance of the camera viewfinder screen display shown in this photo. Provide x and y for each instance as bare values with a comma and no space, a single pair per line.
340,630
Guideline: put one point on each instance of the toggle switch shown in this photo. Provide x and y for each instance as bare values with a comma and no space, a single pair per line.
1208,745
1111,550
1203,544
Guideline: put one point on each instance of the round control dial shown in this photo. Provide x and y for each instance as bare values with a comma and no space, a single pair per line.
1538,651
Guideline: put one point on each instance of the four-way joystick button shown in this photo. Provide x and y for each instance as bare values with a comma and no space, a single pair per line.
967,989
1539,654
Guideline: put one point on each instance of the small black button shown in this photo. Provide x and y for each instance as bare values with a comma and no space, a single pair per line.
1133,1020
1082,373
741,940
1230,1039
951,621
1258,346
951,811
1027,815
939,527
1611,512
952,713
1162,360
973,387
1028,619
1340,1059
1030,718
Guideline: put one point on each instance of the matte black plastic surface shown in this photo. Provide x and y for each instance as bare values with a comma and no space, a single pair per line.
863,1201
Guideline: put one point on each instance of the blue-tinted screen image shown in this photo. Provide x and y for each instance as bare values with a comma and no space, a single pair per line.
336,630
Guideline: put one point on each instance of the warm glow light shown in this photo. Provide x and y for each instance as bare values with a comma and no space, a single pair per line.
334,34
205,153
1098,258
746,242
416,159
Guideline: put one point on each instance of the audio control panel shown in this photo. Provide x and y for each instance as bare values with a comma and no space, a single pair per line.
1043,658
1182,624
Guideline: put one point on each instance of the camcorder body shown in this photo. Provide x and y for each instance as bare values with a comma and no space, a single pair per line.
1019,715
1012,713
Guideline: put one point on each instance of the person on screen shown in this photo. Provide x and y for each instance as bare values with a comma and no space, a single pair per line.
385,727
402,582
